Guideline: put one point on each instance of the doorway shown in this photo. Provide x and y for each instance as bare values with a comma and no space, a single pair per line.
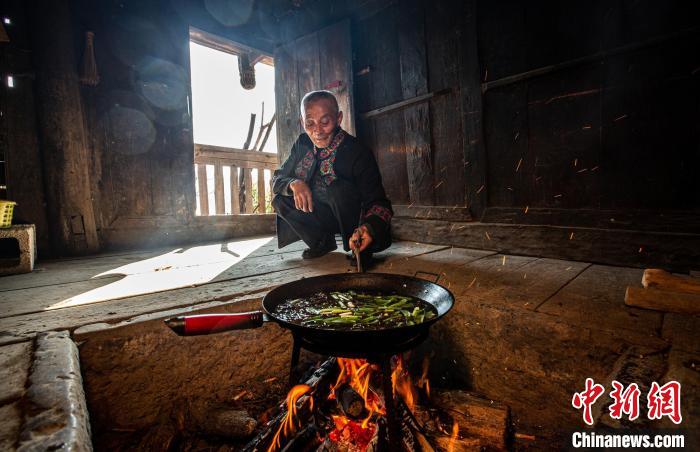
233,117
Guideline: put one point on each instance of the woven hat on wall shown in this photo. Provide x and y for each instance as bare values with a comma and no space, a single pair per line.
247,71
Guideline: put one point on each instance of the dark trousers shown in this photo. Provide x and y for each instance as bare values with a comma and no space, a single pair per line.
335,211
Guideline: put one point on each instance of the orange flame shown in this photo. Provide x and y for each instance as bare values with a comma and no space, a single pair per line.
423,382
357,373
289,423
453,437
401,382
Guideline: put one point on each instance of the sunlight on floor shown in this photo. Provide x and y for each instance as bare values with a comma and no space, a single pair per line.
176,269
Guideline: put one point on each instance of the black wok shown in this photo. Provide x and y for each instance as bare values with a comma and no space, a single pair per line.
356,341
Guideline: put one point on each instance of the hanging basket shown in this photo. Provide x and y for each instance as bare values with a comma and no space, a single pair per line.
246,71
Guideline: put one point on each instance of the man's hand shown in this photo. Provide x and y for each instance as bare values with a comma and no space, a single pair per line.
362,236
302,196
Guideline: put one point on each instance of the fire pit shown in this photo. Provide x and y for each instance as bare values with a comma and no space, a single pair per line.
352,404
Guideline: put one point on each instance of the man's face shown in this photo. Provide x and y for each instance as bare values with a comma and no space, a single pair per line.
320,120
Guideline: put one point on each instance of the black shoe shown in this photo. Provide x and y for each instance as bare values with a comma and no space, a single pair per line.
323,249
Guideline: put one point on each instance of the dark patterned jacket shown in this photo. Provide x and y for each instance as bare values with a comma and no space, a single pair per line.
352,163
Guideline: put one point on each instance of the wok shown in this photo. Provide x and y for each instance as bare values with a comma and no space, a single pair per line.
355,341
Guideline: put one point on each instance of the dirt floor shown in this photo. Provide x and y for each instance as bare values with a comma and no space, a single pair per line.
525,331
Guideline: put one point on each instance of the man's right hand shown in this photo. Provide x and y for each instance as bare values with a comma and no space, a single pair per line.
302,195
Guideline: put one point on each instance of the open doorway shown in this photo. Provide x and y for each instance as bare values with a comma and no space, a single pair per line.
233,118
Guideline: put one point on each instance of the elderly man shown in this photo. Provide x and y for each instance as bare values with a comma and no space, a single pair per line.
330,184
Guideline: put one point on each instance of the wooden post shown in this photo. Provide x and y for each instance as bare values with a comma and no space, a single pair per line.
235,192
219,189
261,190
203,189
414,82
64,140
472,113
248,189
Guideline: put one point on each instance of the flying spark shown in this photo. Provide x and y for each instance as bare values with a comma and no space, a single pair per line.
519,163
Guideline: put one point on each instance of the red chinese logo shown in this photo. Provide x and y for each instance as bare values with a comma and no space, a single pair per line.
661,400
665,401
624,401
587,398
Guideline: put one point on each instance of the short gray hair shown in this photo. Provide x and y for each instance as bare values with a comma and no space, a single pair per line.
314,96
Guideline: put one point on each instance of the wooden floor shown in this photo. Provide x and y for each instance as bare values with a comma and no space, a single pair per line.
68,294
519,299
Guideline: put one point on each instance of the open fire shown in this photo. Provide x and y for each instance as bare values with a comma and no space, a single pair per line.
343,407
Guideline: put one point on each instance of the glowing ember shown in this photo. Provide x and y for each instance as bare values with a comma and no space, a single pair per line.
289,424
351,433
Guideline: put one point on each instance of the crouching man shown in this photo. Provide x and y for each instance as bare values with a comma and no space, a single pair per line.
330,184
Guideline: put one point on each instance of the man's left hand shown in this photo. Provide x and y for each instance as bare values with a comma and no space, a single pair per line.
362,236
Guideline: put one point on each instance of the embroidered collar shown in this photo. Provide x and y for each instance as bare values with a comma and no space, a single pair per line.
324,153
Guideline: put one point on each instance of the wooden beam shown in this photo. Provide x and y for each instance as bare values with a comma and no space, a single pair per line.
594,58
676,252
203,190
235,192
661,279
206,151
219,200
261,190
227,46
403,103
663,300
447,213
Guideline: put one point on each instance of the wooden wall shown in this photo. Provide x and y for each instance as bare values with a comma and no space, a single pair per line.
613,124
573,119
419,148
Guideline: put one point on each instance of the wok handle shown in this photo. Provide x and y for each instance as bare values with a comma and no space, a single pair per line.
195,325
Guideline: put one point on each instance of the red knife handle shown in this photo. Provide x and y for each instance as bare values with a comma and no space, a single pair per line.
195,325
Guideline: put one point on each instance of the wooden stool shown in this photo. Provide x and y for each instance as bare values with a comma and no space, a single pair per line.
25,234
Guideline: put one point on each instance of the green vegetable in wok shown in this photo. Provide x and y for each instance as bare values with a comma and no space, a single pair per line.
355,310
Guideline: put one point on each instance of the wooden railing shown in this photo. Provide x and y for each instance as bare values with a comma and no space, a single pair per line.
241,163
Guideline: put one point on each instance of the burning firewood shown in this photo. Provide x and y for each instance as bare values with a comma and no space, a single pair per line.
318,384
351,403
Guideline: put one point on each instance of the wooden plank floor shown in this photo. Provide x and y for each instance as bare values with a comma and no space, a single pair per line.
67,294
